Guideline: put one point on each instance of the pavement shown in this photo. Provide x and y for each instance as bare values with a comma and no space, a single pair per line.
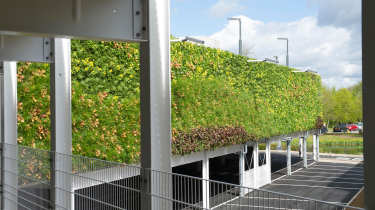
335,182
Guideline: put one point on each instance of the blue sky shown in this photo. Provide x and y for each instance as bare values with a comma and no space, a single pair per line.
193,17
324,35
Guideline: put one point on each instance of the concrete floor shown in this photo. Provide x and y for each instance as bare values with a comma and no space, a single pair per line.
329,180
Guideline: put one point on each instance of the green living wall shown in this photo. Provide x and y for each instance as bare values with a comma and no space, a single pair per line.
218,99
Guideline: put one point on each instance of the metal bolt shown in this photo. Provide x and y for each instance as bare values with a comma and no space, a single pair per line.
47,42
143,28
137,12
47,58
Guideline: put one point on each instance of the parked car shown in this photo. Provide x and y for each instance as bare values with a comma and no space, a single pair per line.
340,128
352,127
360,126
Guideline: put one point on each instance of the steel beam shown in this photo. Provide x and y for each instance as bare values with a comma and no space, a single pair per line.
368,78
24,48
9,135
61,124
155,99
91,19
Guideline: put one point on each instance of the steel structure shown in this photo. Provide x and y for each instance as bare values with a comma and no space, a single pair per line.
23,24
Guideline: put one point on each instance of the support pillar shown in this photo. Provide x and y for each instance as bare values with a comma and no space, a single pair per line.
288,157
268,161
155,104
61,125
9,163
300,147
256,164
314,147
304,152
205,183
317,148
241,166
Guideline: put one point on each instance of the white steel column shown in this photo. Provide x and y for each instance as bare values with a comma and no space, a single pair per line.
206,184
241,167
9,135
256,164
61,124
304,152
155,103
300,147
288,157
317,148
268,161
314,147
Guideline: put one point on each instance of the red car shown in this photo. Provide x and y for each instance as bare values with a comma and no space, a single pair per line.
352,127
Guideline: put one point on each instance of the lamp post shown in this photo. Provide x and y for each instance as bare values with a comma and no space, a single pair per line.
287,49
240,41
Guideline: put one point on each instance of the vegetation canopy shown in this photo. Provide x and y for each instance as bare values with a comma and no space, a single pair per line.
218,99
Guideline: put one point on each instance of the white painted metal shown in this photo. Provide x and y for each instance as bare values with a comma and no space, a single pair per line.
317,148
256,164
314,147
61,123
268,161
23,48
155,100
205,184
241,167
300,147
9,136
305,152
288,157
93,19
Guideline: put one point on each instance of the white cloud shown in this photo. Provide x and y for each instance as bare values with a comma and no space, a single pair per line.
328,49
223,7
342,13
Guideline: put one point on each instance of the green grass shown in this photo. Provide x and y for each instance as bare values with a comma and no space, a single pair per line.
336,144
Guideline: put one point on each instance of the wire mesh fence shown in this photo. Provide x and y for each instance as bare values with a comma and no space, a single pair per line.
90,183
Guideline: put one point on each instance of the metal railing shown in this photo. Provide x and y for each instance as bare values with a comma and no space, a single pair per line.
98,184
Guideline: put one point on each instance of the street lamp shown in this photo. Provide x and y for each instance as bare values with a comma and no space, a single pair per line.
287,49
240,41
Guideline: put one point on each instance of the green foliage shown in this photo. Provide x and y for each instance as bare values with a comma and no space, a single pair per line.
343,105
335,144
218,99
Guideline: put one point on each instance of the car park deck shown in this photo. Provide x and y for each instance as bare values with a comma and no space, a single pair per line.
334,182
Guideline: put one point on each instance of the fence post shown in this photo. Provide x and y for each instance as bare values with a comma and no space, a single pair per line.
305,151
289,157
61,124
9,163
206,184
